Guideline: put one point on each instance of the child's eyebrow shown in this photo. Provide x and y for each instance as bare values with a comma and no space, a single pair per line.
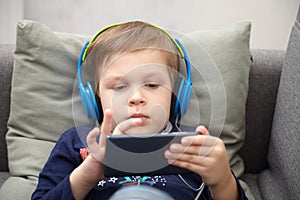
114,78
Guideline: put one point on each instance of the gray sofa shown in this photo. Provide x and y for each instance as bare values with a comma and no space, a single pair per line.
271,148
264,80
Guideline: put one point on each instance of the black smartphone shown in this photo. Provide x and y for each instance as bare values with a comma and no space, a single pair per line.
141,154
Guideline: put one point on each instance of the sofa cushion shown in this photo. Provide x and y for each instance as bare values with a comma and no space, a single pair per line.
43,79
251,180
3,177
282,181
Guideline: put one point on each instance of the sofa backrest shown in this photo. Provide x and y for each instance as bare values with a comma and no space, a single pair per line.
6,66
265,72
264,79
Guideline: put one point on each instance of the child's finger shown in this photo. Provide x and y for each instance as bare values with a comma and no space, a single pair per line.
107,122
126,125
202,130
196,140
199,140
106,127
191,150
91,141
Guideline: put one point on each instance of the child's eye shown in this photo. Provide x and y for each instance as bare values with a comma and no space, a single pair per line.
120,87
152,85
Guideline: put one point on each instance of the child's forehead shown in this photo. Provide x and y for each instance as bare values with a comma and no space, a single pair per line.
141,58
146,64
149,70
147,54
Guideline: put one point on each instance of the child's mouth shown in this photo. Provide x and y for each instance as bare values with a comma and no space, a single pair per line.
139,115
144,118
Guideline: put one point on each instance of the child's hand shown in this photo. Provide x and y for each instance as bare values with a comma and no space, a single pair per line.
203,154
98,149
91,169
86,175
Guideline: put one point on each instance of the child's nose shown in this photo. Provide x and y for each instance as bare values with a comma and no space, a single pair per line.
137,98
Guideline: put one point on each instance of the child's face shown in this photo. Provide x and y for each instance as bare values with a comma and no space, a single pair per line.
138,85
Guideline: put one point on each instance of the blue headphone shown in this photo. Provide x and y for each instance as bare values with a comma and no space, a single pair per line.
88,96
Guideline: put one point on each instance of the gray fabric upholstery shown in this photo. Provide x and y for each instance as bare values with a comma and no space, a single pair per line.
251,180
264,79
282,181
265,72
6,66
3,177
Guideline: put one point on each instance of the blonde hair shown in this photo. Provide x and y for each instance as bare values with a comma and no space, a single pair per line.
129,37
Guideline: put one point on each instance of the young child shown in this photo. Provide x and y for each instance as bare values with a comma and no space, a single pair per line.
133,83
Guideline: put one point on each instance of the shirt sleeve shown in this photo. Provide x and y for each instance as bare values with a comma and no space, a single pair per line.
54,178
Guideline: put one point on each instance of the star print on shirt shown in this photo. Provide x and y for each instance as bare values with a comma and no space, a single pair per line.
113,179
101,183
134,180
159,179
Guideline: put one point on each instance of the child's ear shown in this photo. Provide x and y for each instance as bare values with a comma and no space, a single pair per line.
98,101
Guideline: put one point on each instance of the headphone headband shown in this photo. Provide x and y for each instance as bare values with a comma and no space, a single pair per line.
181,51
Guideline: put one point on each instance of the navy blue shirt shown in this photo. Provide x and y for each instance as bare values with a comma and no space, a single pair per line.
65,157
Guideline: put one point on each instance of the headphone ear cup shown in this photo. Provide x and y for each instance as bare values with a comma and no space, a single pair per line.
183,98
185,101
88,101
178,102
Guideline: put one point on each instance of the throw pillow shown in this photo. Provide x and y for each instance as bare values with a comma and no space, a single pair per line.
222,92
